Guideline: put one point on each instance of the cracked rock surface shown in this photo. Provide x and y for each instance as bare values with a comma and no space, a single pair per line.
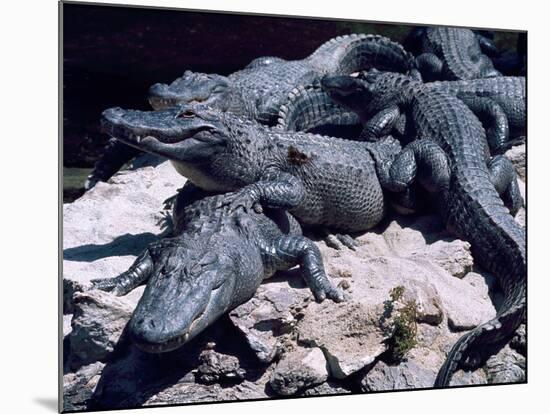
281,342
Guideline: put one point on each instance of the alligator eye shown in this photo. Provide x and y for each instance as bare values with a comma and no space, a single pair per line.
188,113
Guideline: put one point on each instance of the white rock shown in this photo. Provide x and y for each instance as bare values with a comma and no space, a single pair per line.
298,370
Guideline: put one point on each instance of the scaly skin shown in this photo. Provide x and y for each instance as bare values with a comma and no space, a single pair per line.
508,92
450,53
315,177
499,102
259,90
448,157
216,262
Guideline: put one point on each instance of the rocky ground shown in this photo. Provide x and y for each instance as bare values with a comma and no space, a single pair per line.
412,289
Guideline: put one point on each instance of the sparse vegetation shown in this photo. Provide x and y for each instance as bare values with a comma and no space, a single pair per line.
403,324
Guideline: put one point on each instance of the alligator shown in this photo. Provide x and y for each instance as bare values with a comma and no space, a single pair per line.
259,90
322,181
216,262
448,157
452,53
498,102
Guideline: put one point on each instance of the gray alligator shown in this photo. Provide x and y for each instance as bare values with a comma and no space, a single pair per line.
215,263
448,157
321,180
500,103
258,91
451,53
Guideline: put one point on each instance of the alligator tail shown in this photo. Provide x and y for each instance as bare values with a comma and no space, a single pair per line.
355,52
489,333
498,244
309,106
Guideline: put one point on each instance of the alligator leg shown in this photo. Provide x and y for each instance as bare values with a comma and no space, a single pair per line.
275,190
114,156
404,199
504,178
381,123
422,161
430,66
124,283
302,251
494,120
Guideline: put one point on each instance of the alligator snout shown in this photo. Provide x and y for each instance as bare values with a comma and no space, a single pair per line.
340,84
147,330
160,96
158,89
112,114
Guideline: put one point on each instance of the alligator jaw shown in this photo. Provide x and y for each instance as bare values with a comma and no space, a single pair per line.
160,97
167,346
199,323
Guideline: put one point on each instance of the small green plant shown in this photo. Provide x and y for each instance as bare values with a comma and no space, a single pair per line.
403,325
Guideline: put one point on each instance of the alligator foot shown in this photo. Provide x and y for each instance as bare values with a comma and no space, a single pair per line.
339,241
493,118
124,283
247,199
302,251
504,177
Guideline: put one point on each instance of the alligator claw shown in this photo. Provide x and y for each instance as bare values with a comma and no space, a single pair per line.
105,284
331,292
241,199
339,241
110,285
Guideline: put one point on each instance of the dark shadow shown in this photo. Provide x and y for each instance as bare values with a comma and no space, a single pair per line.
125,245
293,277
48,403
135,376
496,294
146,160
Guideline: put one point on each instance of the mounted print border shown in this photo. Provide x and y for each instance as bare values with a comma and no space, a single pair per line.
261,207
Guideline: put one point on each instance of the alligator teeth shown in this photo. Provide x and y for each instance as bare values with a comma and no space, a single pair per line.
138,139
186,336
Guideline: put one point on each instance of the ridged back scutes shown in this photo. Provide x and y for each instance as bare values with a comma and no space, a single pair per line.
459,49
308,106
355,52
476,213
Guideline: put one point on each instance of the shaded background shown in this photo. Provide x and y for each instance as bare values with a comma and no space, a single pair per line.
112,54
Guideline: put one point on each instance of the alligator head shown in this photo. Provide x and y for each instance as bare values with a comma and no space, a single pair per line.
192,285
198,88
366,94
350,92
177,133
204,144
